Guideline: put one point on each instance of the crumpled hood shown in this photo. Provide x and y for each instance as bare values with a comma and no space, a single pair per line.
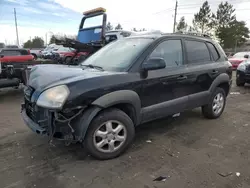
42,76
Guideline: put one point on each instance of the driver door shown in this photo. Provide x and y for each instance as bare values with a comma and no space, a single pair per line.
159,97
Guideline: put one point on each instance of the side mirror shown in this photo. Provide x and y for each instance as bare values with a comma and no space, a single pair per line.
246,56
154,64
1,55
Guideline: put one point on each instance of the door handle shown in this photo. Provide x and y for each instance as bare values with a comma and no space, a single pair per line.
182,77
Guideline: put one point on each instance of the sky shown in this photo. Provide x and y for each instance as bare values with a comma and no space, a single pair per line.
47,17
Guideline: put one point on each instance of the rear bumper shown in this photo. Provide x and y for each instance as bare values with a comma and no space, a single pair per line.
243,76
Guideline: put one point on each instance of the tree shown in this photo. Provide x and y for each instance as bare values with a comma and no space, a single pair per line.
234,35
224,15
52,39
182,25
118,27
109,26
138,30
37,42
203,19
27,44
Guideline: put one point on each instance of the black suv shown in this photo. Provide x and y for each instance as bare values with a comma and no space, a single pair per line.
126,83
243,73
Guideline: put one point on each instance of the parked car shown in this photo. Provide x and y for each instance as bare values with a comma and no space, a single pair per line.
46,53
15,55
36,52
12,63
243,73
117,34
126,83
64,55
12,46
238,58
2,45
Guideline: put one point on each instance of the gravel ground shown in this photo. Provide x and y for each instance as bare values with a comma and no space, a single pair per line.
189,151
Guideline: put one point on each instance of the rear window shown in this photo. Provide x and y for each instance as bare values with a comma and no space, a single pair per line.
197,52
214,51
14,52
11,53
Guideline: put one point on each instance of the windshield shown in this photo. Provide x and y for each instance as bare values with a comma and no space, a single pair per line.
118,55
241,54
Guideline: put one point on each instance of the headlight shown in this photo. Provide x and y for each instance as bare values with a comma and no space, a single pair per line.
241,67
54,97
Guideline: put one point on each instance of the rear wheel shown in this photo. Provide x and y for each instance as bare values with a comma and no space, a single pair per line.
109,134
35,56
67,60
216,104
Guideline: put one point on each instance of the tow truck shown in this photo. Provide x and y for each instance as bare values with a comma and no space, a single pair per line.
90,38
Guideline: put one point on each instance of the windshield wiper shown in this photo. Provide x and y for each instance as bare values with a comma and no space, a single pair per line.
94,67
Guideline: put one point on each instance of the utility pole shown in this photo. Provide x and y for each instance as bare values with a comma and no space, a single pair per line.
16,27
175,13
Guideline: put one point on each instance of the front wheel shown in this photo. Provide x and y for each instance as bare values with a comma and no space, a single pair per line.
216,104
109,134
239,82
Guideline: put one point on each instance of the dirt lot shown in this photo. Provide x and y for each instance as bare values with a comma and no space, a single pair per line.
189,151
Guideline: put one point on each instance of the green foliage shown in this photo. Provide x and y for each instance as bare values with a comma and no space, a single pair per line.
203,19
27,44
228,30
138,30
234,35
52,39
182,25
224,15
118,27
36,42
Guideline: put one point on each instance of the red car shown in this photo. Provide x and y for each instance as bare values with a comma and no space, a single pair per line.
15,55
65,54
238,58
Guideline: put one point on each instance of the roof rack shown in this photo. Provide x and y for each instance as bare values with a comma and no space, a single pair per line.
194,34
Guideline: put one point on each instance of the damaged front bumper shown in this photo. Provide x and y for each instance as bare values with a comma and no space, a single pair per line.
31,124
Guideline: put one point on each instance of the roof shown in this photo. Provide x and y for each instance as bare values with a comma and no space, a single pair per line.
155,36
13,49
116,31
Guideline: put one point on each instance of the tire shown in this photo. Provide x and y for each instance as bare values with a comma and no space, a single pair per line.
208,111
67,60
239,82
82,58
35,56
116,117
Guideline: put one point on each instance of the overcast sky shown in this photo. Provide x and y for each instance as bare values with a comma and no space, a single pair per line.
38,17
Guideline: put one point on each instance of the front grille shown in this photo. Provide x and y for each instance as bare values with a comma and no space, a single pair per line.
30,110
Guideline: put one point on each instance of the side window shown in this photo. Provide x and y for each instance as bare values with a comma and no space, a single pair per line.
197,52
24,52
213,50
170,51
11,53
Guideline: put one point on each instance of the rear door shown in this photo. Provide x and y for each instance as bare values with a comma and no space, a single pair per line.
202,70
